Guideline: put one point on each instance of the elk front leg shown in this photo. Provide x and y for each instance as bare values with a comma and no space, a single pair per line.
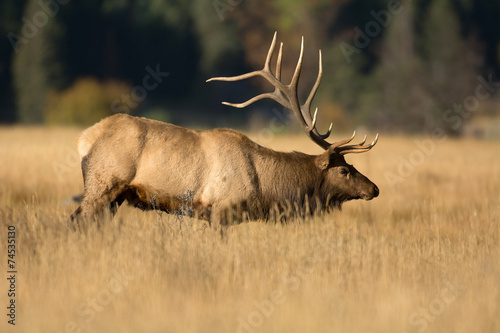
218,219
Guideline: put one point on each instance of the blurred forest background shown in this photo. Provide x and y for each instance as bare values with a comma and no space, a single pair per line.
401,66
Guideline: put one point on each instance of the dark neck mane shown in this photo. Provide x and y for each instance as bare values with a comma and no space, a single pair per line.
290,180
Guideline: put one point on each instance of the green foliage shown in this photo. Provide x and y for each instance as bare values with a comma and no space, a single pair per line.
35,66
403,78
218,43
445,54
290,13
84,103
10,22
417,71
397,77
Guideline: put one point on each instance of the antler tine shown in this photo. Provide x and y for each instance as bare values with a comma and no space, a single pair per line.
342,142
358,148
313,124
279,62
358,145
307,104
274,95
267,64
235,78
295,79
327,134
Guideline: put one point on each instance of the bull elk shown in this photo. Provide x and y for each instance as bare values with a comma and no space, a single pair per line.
150,164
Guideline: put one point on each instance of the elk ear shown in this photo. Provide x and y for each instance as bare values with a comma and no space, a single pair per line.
323,160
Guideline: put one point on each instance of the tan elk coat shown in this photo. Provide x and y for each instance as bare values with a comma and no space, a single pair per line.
150,164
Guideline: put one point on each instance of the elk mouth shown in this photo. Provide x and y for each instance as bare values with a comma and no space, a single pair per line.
368,196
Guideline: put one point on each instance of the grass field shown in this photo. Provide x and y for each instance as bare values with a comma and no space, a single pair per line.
422,257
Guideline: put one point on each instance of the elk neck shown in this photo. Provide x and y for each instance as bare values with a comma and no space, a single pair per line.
289,177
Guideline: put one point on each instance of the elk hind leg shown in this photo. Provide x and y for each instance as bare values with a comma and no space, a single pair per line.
97,201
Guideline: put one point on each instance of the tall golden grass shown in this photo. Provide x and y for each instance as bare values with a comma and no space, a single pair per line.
422,257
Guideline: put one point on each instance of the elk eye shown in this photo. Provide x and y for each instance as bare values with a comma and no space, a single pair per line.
344,171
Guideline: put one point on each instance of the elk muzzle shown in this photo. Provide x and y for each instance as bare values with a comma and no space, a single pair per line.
370,193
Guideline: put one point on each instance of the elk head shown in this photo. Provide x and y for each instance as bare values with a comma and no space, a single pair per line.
341,181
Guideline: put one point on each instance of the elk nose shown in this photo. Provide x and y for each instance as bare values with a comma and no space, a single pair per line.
375,191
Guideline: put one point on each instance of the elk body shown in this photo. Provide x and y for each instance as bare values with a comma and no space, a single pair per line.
150,164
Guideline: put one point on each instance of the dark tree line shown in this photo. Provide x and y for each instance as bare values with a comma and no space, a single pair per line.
397,65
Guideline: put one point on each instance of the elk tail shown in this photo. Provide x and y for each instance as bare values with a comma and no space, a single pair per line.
88,137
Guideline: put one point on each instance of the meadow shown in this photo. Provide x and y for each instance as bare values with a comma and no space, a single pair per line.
422,257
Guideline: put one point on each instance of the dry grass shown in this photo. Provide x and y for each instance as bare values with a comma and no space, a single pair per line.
424,256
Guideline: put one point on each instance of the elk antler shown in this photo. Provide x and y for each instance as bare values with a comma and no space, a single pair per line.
286,95
359,148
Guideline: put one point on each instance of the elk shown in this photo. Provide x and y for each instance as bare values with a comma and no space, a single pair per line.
150,163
